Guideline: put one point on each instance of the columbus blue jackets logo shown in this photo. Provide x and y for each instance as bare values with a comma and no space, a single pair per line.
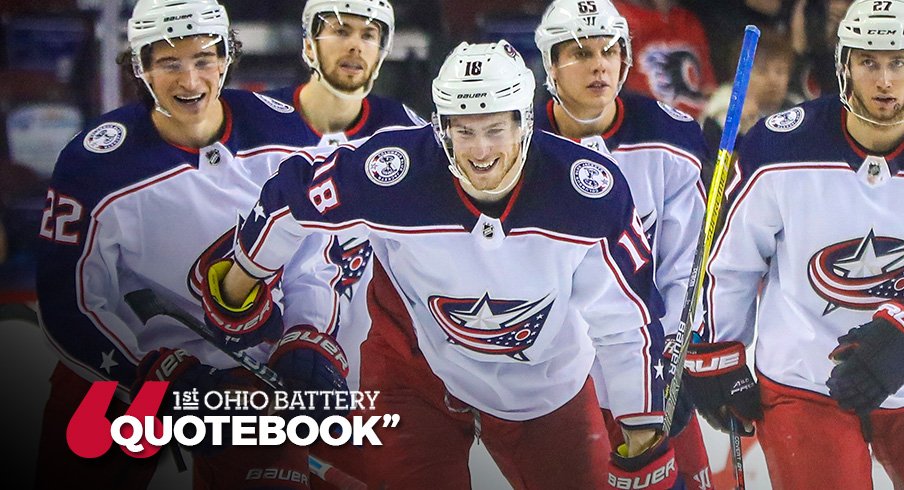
786,121
591,179
858,274
387,166
275,104
105,138
492,326
352,258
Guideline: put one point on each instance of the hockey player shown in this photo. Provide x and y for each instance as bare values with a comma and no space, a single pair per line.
345,43
814,221
494,288
587,54
133,203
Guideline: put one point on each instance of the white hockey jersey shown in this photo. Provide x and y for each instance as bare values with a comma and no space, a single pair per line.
126,210
815,221
509,311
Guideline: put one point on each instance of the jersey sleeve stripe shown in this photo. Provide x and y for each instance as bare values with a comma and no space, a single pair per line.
623,283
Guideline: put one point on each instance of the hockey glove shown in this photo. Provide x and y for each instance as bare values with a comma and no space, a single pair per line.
871,361
684,407
258,320
309,360
654,469
721,385
193,381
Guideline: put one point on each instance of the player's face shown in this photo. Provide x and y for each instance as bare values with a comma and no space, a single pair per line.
485,146
348,51
877,80
185,76
587,73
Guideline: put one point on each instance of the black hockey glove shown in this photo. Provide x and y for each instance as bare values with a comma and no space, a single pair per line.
312,361
721,385
871,361
654,469
257,321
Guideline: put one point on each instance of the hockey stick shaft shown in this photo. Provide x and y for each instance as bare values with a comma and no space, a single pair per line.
705,241
710,220
147,304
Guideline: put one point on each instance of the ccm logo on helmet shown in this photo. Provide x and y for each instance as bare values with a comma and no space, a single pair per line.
713,364
881,32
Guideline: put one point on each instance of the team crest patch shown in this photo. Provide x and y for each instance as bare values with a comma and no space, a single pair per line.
786,121
275,104
674,113
105,138
387,166
591,179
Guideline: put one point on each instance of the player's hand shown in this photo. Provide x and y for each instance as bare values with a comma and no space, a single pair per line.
309,360
193,380
870,361
258,320
722,386
654,469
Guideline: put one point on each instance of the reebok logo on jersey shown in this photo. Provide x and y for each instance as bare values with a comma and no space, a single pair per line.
275,104
674,113
491,326
591,179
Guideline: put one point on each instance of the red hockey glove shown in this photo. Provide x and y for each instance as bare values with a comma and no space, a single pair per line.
309,360
258,320
870,361
654,469
721,385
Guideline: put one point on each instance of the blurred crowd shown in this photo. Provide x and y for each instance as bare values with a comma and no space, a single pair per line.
684,53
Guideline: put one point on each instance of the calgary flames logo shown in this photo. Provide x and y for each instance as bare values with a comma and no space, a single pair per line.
492,326
858,274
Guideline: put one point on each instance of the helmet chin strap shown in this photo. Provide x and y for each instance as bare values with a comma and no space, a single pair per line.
575,118
847,105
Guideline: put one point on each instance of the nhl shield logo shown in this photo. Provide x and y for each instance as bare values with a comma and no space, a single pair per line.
213,156
275,104
858,274
387,166
591,179
105,138
786,121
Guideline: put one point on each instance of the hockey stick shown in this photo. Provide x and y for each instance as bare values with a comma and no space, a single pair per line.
147,304
707,233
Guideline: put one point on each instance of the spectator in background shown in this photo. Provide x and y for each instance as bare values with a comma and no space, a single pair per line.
766,94
724,23
671,54
814,32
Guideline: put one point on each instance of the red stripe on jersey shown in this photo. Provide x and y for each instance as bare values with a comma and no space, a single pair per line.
623,283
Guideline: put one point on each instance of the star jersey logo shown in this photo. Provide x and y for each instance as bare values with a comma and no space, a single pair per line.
352,260
492,326
858,274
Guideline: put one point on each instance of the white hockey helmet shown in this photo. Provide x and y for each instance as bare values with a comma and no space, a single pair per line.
484,79
165,20
571,20
876,25
379,11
